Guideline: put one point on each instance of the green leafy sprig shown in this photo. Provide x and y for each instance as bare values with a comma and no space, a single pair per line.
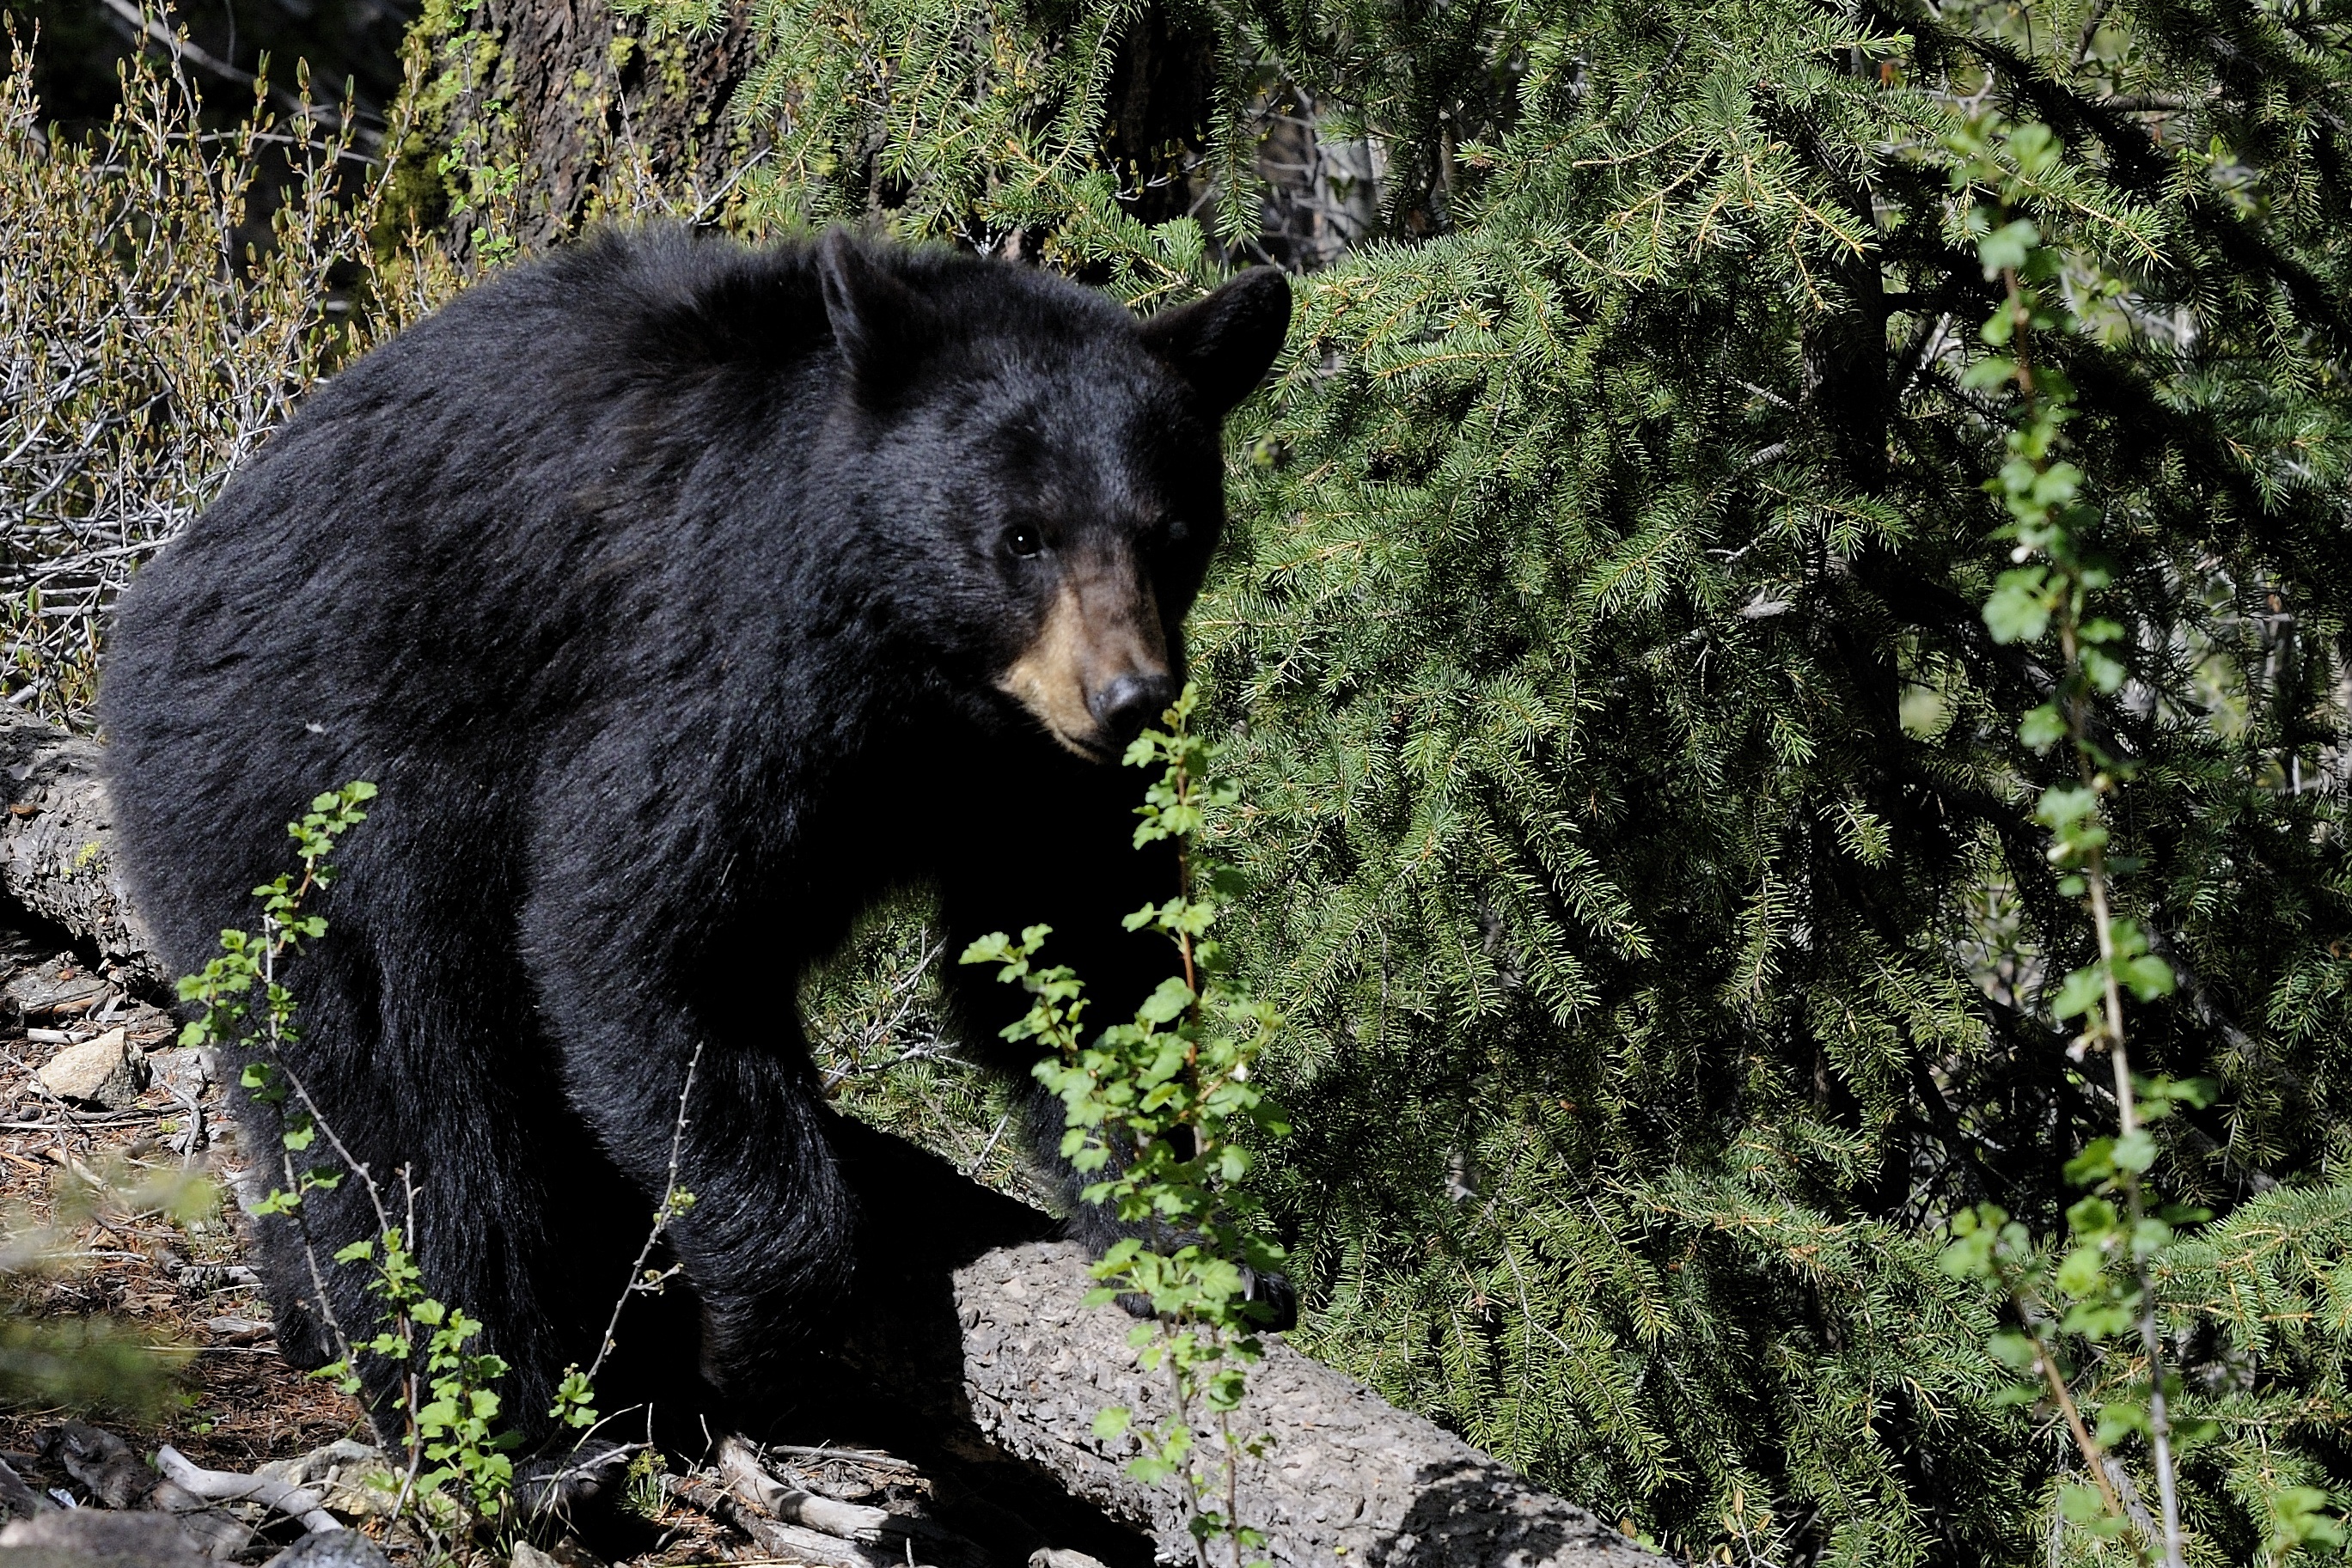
1155,1108
2100,1291
447,1398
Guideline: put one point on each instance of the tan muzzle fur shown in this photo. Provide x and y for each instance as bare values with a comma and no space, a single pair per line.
1104,622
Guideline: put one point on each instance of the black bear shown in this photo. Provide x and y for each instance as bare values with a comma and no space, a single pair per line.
681,599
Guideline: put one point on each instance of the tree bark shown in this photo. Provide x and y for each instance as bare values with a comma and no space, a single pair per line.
53,848
971,1344
1347,1477
594,108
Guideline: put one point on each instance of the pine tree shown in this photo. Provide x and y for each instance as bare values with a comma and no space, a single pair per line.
1642,836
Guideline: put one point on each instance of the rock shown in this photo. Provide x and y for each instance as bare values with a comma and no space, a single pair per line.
1061,1557
54,986
329,1549
18,1500
95,1538
104,1071
244,1330
185,1072
565,1554
152,1029
217,1532
102,1462
320,1464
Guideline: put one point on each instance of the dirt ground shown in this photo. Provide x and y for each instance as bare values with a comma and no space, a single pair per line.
86,1244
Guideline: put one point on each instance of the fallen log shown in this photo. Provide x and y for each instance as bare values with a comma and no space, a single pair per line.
740,1467
979,1339
1348,1479
53,847
785,1542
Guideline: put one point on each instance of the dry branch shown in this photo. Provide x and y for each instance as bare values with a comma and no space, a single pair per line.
741,1468
228,1485
971,1324
785,1542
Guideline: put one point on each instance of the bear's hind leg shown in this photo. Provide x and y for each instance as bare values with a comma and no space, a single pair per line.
766,1224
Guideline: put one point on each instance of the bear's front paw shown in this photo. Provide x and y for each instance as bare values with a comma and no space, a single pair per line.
1277,1301
559,1486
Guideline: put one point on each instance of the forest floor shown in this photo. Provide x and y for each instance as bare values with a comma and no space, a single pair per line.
86,1244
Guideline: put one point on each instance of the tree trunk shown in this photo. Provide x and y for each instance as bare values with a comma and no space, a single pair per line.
590,106
972,1349
1347,1479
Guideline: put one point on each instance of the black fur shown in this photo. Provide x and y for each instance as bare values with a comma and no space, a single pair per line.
663,589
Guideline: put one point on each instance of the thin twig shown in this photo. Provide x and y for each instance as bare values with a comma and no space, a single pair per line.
663,1215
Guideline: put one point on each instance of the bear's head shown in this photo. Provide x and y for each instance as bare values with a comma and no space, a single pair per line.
1039,471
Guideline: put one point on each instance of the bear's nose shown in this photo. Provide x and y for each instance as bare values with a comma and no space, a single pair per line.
1130,701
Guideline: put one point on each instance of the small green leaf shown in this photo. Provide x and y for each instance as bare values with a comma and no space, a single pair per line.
2064,805
2096,1163
2042,728
2146,977
2082,1272
2080,993
2081,1504
2008,245
2017,611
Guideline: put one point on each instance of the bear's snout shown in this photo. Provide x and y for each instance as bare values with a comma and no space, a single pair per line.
1098,670
1131,701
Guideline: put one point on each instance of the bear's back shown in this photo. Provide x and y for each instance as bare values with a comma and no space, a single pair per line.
581,446
451,543
574,491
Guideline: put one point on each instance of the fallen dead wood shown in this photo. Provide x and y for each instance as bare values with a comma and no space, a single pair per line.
907,1535
1006,1366
978,1338
790,1542
741,1468
228,1485
53,845
1348,1479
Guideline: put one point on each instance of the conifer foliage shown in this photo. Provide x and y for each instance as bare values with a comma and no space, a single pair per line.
1645,852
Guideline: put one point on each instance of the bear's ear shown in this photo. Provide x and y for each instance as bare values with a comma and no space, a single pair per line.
1223,344
880,325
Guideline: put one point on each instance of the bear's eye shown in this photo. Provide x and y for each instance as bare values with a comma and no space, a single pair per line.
1023,540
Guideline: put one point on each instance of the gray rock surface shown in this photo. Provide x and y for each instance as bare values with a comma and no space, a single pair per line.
186,1070
95,1538
331,1549
103,1463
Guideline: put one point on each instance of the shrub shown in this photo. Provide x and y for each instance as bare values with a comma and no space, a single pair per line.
166,295
1161,1110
